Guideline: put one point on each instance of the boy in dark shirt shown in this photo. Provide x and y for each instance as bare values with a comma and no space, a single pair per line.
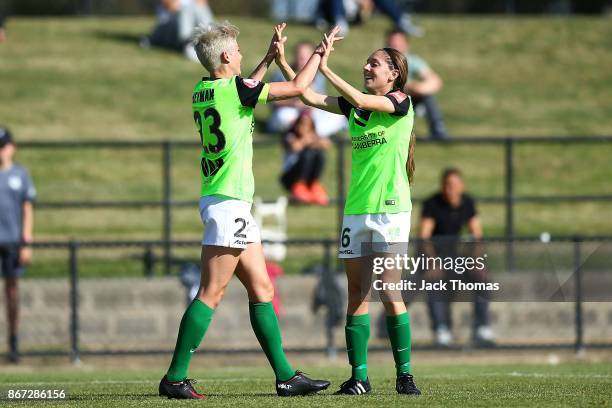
443,217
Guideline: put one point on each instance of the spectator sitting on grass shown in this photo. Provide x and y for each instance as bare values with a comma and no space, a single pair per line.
343,12
304,161
423,84
176,21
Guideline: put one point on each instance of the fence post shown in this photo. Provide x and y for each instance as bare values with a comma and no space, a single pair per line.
148,260
74,301
167,205
509,199
579,345
327,281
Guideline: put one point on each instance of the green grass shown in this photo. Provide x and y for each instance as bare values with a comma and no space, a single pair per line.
87,79
508,385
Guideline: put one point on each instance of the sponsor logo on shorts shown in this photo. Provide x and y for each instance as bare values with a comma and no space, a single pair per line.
345,252
389,202
239,242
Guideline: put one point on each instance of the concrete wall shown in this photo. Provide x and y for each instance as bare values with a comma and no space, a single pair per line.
139,313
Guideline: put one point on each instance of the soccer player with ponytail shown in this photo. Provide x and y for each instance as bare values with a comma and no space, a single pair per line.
378,206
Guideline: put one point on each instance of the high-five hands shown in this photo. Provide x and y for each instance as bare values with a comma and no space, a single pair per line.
277,43
327,44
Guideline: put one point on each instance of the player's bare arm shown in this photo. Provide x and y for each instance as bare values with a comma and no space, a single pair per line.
260,71
298,85
378,103
309,97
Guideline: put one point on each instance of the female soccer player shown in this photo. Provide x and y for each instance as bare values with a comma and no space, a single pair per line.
223,111
378,206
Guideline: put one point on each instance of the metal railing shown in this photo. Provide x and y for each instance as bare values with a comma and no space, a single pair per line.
328,273
167,202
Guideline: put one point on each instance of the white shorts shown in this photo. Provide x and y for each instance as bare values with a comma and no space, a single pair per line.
227,222
365,234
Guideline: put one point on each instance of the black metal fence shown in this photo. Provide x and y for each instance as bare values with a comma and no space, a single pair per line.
73,247
167,202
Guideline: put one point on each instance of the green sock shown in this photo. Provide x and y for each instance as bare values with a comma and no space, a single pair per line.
194,323
398,328
265,326
357,331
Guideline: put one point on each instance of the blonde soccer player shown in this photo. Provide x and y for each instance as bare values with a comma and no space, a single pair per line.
223,104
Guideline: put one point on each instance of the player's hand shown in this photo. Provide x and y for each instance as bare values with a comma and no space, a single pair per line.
327,45
277,42
25,256
280,43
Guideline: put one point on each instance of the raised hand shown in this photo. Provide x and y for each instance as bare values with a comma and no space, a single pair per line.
276,41
327,44
279,42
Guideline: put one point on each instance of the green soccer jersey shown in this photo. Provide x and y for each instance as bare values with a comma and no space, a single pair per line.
380,143
223,112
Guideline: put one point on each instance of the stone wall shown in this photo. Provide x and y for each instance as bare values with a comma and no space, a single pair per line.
140,314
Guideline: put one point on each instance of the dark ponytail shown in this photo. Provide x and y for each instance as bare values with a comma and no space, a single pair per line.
397,60
410,167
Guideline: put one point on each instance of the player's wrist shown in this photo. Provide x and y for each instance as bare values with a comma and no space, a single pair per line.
269,57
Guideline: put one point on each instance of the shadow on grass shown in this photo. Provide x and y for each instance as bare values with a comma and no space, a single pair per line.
132,39
125,38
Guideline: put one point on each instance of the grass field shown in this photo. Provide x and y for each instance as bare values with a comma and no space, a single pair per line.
491,385
87,79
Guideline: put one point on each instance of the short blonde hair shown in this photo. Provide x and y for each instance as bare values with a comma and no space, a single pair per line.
212,40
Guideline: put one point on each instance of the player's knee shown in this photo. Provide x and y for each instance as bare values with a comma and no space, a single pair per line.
212,296
394,308
263,292
357,307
